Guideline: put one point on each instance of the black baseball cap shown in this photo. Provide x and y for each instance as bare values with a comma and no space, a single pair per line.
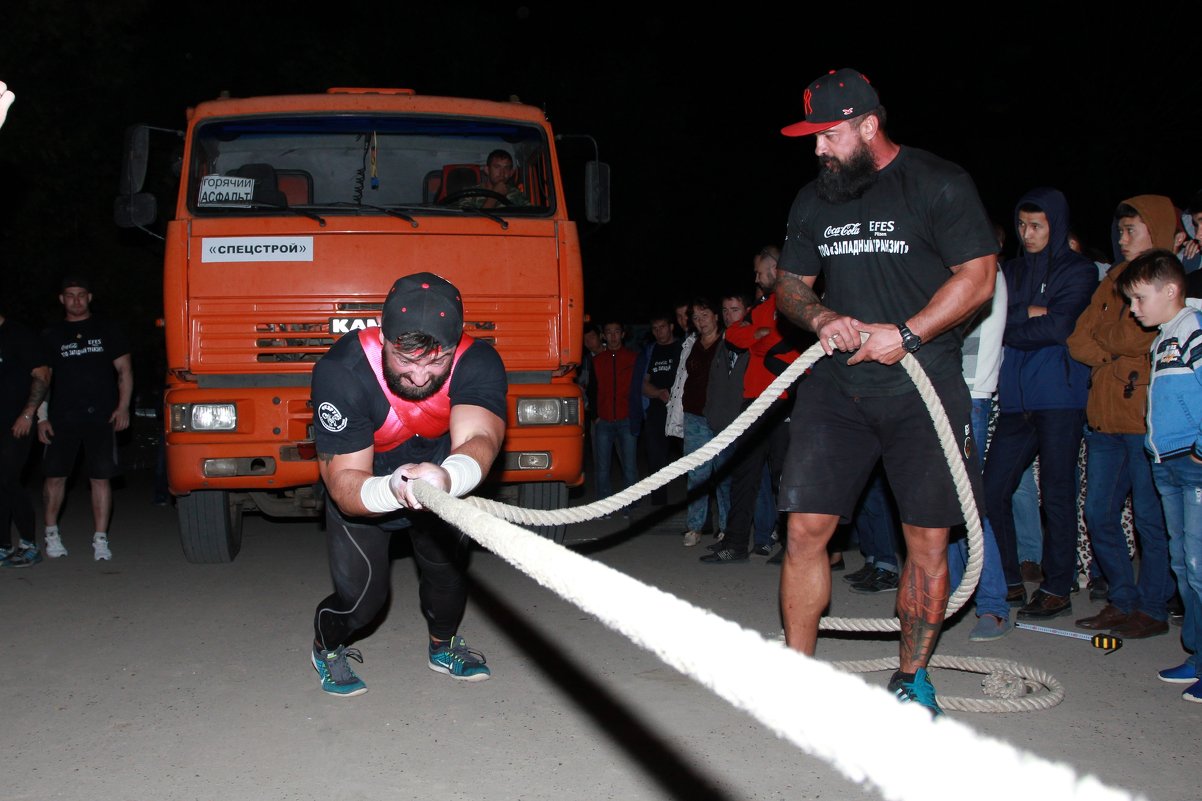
426,303
837,96
75,280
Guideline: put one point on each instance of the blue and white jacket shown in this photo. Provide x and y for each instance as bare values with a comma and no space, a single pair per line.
1175,393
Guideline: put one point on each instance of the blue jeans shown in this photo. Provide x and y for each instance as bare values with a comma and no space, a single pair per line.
609,435
1180,483
697,433
1055,435
875,523
1028,526
1116,465
991,586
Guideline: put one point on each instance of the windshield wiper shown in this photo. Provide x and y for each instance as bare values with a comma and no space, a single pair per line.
343,204
261,204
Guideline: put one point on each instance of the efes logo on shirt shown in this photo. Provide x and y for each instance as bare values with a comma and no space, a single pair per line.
331,419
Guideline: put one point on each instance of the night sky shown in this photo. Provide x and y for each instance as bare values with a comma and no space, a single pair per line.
686,110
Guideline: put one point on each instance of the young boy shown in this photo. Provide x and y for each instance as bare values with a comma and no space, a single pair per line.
1155,283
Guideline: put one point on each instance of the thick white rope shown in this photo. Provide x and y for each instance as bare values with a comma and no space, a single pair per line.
1023,690
812,704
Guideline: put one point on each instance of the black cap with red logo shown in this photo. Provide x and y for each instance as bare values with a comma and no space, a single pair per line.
837,96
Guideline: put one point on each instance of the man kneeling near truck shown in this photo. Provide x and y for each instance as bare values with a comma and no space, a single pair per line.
415,398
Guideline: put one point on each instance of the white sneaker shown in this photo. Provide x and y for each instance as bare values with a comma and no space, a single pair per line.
691,538
100,548
54,546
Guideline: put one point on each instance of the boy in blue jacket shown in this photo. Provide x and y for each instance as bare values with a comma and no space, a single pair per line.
1155,283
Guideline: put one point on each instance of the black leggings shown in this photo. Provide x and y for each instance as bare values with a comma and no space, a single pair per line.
15,505
360,567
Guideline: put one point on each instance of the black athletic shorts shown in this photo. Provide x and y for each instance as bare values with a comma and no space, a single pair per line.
835,441
99,443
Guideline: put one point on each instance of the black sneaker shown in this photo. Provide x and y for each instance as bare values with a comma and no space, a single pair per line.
881,580
724,556
859,575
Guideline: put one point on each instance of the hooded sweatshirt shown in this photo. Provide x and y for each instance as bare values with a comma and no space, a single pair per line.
1037,371
1113,344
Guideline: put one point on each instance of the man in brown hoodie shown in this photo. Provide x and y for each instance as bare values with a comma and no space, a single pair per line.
1115,346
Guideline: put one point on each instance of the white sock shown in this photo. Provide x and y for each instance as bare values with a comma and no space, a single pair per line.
52,529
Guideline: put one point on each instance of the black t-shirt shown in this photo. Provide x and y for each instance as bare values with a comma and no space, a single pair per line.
885,254
84,384
349,404
20,353
662,364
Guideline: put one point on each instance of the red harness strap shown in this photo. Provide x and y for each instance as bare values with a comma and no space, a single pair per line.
429,418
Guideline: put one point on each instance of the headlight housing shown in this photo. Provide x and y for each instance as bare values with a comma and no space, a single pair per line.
548,411
204,417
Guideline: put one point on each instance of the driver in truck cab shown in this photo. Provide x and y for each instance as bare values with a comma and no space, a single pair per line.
496,179
415,398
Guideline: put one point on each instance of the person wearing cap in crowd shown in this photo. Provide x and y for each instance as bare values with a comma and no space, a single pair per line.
415,398
91,383
907,253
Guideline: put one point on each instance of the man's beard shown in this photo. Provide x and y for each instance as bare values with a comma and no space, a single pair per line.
409,392
848,180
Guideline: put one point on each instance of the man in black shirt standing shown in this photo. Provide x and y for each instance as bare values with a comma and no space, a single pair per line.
907,253
92,381
24,379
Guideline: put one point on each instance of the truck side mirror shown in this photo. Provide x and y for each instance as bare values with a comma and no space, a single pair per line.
596,192
133,160
135,211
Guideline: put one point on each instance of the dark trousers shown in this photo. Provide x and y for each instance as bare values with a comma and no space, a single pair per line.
1056,436
767,441
360,567
655,443
15,506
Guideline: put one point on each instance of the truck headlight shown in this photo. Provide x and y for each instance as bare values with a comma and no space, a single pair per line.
204,417
548,411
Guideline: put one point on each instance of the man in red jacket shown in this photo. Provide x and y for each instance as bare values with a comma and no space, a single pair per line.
770,343
613,369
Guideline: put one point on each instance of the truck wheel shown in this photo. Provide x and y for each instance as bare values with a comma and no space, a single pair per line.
545,495
210,526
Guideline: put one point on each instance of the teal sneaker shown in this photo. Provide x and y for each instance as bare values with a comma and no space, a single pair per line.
336,675
26,555
455,659
919,691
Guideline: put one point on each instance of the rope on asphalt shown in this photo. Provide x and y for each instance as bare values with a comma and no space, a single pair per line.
1002,679
819,708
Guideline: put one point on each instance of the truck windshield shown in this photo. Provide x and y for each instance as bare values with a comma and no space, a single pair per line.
351,163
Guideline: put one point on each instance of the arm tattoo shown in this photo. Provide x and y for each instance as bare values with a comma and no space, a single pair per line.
798,302
325,458
38,390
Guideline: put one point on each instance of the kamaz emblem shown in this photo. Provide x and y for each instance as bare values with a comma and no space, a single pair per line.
345,325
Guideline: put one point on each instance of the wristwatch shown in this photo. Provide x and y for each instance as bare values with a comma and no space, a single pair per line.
910,341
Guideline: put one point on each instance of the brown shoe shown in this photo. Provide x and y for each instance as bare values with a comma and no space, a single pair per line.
1108,618
1031,571
1139,625
1044,605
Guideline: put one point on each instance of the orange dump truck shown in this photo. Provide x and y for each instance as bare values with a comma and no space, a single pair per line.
294,216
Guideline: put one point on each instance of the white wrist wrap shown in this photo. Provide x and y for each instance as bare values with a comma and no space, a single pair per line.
43,411
464,471
377,496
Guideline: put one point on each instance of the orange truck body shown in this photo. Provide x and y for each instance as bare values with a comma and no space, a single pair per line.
254,294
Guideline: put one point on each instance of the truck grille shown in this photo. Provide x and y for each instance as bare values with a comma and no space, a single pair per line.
524,331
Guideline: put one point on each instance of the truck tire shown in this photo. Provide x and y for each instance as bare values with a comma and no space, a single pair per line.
545,495
210,526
